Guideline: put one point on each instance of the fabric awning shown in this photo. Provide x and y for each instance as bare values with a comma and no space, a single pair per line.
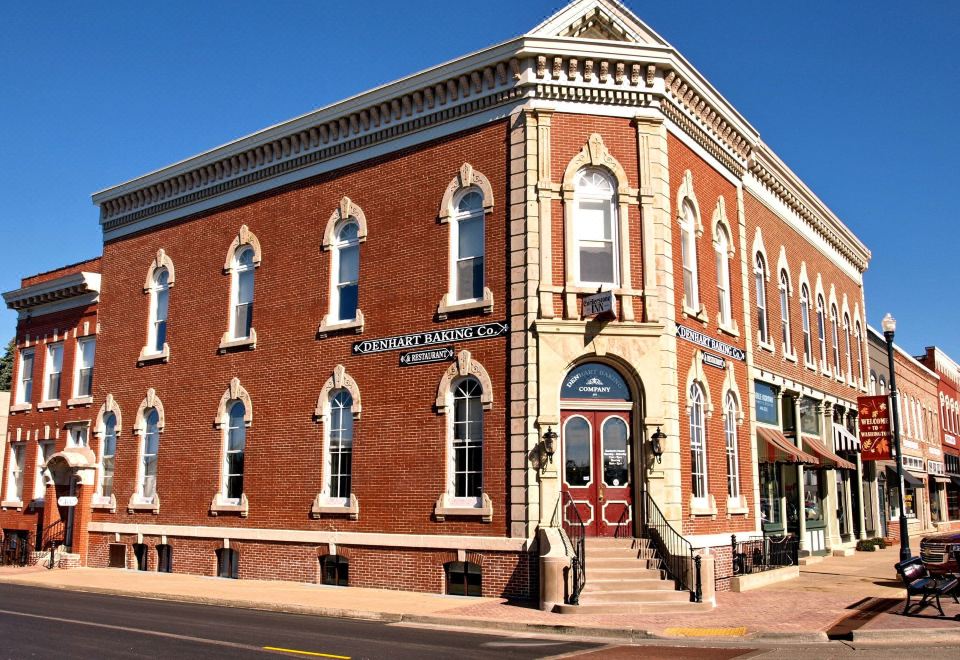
909,478
827,458
843,440
940,479
780,450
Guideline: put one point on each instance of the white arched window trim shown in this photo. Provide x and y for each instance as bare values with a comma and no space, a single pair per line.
109,407
161,262
243,240
234,393
691,229
467,178
339,380
723,247
150,402
347,211
464,367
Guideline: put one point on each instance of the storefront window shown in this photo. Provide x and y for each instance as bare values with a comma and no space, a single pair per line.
809,418
953,502
770,494
935,501
789,414
909,502
813,503
766,403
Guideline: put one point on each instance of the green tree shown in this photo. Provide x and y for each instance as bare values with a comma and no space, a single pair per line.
6,368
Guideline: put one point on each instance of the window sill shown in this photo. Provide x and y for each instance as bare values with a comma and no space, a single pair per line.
220,505
703,506
825,371
446,507
328,326
12,504
729,328
21,407
737,506
79,401
105,503
448,306
322,505
812,366
700,315
765,345
48,404
789,357
139,504
228,343
147,356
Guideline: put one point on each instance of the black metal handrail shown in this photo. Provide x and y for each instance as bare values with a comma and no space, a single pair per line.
575,531
54,536
763,553
14,551
676,552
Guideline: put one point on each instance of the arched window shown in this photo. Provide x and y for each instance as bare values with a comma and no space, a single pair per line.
698,442
148,461
835,340
159,303
235,447
108,454
859,339
785,311
883,385
730,435
241,318
346,268
688,253
805,319
873,383
468,232
760,281
340,447
847,330
595,227
722,247
822,331
467,440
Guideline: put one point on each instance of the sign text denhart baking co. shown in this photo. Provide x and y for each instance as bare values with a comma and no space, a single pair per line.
707,341
431,338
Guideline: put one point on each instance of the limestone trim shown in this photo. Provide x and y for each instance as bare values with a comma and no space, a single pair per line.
719,219
464,366
110,405
105,503
227,342
730,386
146,355
447,305
351,509
135,505
339,380
243,238
687,198
149,401
162,260
696,374
379,539
596,154
329,326
221,505
467,177
345,210
445,506
234,392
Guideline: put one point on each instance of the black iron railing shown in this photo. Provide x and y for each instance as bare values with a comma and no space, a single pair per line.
15,551
53,537
575,531
676,553
765,553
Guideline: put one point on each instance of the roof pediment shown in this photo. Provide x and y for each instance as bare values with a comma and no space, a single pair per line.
606,20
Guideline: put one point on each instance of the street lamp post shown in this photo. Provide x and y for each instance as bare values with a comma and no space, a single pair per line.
889,325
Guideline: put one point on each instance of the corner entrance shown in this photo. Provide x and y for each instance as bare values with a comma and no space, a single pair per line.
595,445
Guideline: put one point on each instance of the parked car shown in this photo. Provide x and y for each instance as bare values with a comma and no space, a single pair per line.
936,551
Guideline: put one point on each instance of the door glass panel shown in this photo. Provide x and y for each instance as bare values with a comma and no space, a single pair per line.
576,452
615,471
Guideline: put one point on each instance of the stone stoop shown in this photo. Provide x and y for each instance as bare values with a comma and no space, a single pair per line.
624,576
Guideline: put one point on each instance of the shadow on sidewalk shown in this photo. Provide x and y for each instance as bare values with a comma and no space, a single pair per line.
863,611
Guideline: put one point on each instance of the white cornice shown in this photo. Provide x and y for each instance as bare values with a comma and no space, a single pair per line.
57,290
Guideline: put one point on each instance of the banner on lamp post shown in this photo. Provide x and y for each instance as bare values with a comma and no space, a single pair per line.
874,423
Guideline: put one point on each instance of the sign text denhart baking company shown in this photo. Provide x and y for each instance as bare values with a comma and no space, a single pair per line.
431,338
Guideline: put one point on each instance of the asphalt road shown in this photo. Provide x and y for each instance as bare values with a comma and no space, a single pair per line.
44,623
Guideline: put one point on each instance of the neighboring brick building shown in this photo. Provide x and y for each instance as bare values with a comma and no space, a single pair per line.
428,248
945,478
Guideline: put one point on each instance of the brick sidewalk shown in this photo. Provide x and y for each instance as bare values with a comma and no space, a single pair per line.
835,596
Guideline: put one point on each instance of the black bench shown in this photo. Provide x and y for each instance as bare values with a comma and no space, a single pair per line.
918,581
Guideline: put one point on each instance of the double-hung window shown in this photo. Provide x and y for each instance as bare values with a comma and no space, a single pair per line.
236,444
723,275
859,339
54,369
108,454
467,441
45,449
83,376
835,340
340,448
785,311
18,452
698,442
805,320
822,331
346,265
688,253
148,460
730,435
159,307
468,228
595,227
25,377
241,318
847,331
760,281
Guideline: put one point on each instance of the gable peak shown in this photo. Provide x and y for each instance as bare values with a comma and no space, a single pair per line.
606,20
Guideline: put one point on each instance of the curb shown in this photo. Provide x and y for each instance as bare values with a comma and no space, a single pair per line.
928,635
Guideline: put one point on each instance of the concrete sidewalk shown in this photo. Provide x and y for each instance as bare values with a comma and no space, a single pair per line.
854,597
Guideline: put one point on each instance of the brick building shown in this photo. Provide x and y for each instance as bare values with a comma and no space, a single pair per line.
532,266
945,479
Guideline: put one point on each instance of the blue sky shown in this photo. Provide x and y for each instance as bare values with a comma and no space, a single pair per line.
859,99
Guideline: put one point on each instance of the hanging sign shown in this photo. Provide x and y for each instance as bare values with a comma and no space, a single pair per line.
715,345
874,423
431,338
598,303
67,500
427,356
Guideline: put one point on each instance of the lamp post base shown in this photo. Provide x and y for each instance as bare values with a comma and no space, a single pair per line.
905,553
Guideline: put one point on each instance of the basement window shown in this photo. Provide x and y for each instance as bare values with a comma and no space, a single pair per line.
140,552
335,570
164,558
228,563
464,578
118,555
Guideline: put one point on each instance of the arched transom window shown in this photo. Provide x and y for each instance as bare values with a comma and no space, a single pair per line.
159,304
785,311
468,227
688,253
241,318
730,435
467,455
339,459
698,442
595,227
346,268
235,441
760,281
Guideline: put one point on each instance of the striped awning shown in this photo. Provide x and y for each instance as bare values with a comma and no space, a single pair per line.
843,440
777,449
827,458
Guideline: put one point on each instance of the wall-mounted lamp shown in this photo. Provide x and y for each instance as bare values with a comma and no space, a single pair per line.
656,444
550,442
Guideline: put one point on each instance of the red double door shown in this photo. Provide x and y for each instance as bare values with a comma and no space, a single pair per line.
597,470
